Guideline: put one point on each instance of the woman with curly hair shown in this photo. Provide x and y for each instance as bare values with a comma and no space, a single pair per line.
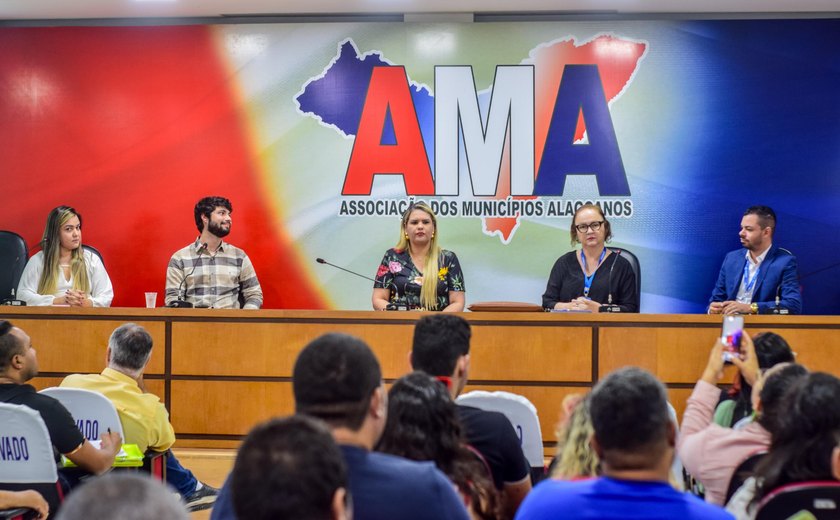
423,425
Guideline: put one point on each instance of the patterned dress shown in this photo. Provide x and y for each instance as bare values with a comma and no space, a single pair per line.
404,279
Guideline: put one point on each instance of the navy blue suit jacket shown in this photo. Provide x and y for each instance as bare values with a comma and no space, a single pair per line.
777,269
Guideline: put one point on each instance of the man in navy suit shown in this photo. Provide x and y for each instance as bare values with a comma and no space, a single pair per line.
750,282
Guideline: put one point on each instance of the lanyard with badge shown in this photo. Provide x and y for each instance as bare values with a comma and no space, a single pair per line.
748,282
587,278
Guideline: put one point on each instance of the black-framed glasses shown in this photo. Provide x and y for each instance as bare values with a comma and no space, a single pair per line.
594,226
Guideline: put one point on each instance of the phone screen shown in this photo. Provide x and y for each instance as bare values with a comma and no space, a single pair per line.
733,330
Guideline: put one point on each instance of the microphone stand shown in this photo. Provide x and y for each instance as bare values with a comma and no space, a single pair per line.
397,305
609,307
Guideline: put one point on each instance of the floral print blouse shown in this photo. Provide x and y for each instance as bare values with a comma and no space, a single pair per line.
397,271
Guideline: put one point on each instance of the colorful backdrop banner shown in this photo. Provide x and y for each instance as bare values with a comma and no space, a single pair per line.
322,134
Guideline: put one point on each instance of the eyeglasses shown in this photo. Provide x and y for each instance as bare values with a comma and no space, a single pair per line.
594,226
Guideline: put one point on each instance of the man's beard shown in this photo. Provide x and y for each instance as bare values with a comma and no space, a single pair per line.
218,230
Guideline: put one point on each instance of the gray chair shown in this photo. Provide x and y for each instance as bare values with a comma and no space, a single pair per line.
13,258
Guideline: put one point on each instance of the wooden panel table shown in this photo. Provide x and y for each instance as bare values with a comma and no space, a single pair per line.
220,372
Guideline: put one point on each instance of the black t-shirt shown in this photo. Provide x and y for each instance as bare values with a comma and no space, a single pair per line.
64,434
494,437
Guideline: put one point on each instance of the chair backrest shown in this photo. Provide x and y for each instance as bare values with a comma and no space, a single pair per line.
94,251
521,414
26,454
26,450
13,258
637,270
93,412
821,499
745,470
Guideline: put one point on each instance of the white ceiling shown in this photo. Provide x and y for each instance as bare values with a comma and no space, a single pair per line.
79,9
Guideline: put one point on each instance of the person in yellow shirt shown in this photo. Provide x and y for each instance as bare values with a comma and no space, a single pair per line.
144,418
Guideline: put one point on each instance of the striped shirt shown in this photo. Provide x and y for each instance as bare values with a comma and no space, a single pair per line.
213,279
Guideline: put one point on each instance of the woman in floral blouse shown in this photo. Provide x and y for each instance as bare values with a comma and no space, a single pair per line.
401,276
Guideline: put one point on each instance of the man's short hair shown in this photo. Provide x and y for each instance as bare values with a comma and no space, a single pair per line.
766,216
208,205
125,496
629,410
287,468
334,379
10,345
130,346
439,340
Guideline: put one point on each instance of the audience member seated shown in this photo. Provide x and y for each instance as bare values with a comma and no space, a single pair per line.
144,418
441,348
290,468
575,457
123,496
19,364
709,452
770,350
423,425
804,448
25,499
336,378
634,438
63,272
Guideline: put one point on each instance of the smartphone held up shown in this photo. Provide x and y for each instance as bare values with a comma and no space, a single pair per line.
733,331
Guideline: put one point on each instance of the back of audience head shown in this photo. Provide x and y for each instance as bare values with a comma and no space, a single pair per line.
10,346
439,341
632,428
575,456
423,425
130,347
125,496
417,406
805,447
772,391
290,468
334,379
771,350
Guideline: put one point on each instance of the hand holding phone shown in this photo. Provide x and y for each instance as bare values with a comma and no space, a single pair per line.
731,334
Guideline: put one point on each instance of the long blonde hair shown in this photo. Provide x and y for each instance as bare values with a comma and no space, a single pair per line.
575,457
51,247
428,291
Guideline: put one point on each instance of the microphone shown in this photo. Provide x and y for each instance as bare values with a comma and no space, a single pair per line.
393,306
182,302
609,307
777,309
13,301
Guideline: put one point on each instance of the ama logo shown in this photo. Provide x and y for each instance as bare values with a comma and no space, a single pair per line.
502,153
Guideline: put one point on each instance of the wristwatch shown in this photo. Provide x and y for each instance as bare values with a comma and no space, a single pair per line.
754,308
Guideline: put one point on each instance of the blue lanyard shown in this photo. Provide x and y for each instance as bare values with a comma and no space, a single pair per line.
748,284
587,279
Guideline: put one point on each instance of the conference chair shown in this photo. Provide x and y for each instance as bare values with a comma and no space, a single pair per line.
637,270
820,498
94,251
95,414
13,258
745,470
29,462
522,414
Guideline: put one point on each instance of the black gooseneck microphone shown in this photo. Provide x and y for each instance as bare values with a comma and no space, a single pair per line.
393,306
182,302
609,307
778,309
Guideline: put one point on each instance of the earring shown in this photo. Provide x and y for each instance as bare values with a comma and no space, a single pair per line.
406,236
433,235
